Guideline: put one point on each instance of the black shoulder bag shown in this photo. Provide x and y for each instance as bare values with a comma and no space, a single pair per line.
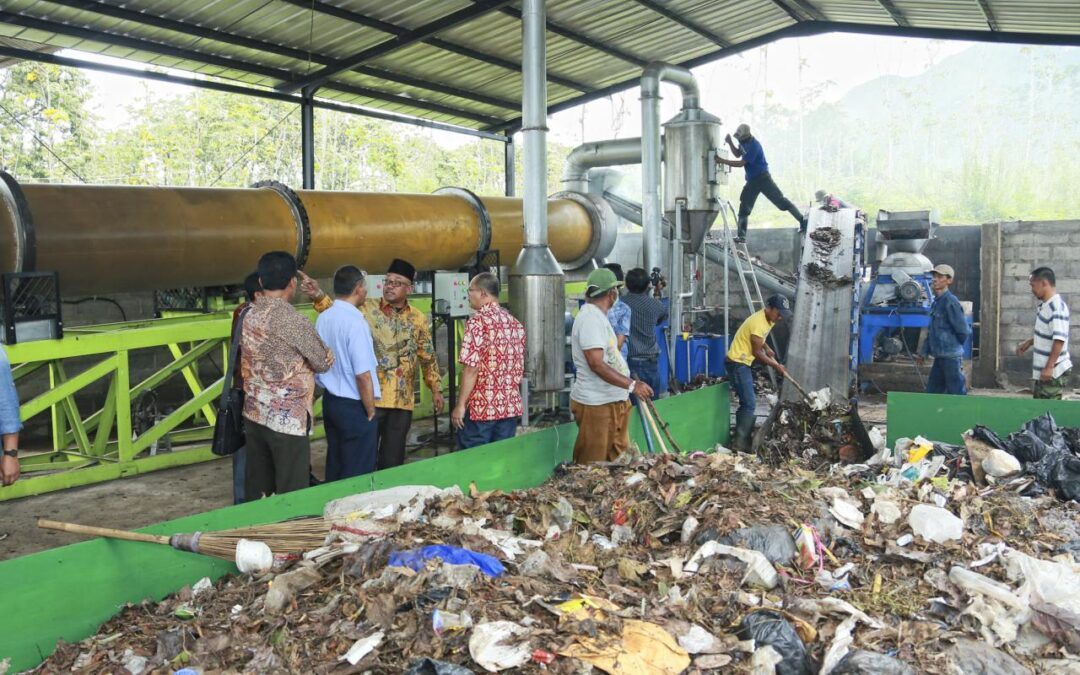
229,427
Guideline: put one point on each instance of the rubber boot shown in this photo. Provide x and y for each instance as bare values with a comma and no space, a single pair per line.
743,432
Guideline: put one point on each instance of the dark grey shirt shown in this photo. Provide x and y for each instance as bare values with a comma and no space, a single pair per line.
646,312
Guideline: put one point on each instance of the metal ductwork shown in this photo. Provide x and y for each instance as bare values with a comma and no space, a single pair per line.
537,293
692,141
654,74
117,238
614,152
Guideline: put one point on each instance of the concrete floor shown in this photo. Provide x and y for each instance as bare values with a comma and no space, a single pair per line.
130,503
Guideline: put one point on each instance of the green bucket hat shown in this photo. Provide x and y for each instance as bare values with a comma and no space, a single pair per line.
601,280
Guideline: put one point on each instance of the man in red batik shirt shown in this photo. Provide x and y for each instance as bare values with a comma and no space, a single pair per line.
493,353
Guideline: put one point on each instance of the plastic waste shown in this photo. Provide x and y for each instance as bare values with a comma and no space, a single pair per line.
1001,464
920,448
429,666
765,661
935,524
1045,581
877,439
253,557
977,584
847,513
359,517
804,542
860,662
888,512
770,629
362,648
689,526
773,541
284,588
839,646
445,622
697,640
1044,451
645,649
451,554
759,571
499,645
968,657
543,656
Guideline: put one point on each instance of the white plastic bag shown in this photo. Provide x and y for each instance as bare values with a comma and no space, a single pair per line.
935,524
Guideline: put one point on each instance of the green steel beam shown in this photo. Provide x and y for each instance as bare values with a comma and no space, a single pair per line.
66,388
170,421
191,376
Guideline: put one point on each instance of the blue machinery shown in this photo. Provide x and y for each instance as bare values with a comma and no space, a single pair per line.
899,295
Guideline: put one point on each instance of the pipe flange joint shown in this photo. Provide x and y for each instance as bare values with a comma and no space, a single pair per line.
24,236
300,216
605,228
483,242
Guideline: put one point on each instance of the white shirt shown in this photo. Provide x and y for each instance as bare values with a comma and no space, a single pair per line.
593,331
1051,325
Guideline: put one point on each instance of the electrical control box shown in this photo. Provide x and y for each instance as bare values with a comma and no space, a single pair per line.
451,294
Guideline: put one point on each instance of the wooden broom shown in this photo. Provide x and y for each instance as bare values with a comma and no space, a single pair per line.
287,538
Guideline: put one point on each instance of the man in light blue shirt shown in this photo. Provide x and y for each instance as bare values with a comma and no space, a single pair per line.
619,314
351,384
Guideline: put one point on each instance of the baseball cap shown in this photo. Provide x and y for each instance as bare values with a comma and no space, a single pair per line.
742,132
945,271
781,303
600,281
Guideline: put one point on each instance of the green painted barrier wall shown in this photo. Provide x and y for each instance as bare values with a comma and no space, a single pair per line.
68,592
938,417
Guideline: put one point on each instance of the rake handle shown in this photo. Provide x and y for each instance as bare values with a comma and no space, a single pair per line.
798,386
109,532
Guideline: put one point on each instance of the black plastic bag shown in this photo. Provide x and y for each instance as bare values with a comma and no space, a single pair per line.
429,666
772,629
861,662
772,541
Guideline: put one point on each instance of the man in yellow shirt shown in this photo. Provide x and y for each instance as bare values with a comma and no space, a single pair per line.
749,344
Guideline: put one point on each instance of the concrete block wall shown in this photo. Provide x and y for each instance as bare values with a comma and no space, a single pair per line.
1025,245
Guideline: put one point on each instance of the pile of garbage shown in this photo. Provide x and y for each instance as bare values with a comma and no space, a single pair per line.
653,565
817,432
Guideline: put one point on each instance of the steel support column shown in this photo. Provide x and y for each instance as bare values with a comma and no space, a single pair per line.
509,175
307,138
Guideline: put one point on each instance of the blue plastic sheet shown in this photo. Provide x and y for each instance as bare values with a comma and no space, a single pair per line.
448,554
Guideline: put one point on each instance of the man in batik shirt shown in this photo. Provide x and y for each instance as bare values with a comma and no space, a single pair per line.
493,353
280,352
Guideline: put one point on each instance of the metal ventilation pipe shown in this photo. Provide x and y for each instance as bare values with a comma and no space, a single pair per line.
537,296
587,156
655,73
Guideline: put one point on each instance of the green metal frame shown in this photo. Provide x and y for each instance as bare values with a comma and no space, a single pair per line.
943,418
100,446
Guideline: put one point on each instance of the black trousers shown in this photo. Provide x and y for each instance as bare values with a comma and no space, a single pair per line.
394,426
276,463
763,185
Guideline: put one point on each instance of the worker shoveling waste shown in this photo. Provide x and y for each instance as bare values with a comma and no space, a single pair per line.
653,565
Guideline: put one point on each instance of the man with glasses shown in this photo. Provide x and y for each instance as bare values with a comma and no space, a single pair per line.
402,337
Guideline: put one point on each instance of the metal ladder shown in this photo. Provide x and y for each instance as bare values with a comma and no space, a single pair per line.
744,268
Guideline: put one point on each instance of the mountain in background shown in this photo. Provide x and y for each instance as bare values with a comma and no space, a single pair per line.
990,133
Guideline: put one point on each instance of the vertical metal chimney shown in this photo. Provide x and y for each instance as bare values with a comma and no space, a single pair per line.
537,294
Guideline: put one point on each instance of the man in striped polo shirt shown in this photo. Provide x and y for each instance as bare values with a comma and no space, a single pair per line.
1050,364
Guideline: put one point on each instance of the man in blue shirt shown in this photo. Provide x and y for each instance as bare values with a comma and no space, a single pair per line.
619,314
758,181
945,338
351,384
10,423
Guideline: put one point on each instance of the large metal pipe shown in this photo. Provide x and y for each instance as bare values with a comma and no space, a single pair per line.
110,238
536,282
614,152
654,74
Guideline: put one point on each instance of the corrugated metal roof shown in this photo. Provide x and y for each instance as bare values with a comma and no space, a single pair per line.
458,61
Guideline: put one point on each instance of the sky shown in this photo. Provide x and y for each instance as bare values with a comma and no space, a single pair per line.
831,65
